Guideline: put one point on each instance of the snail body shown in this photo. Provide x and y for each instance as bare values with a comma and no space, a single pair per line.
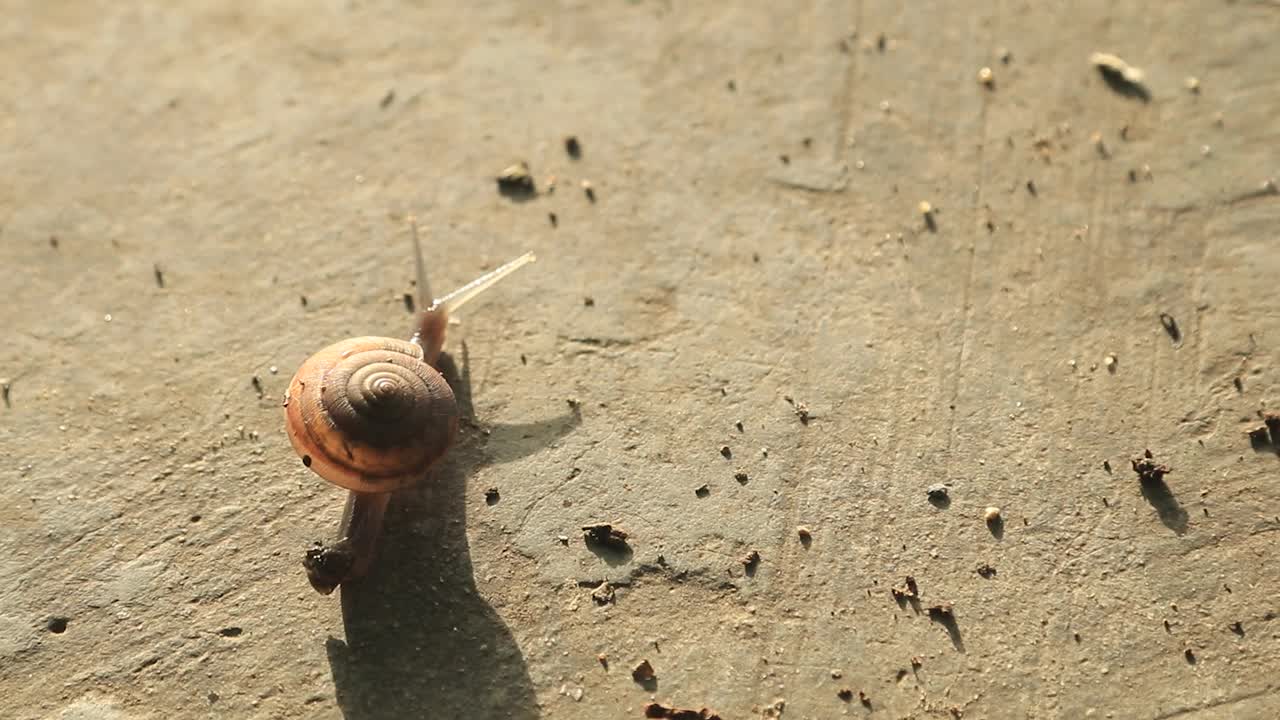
369,414
373,415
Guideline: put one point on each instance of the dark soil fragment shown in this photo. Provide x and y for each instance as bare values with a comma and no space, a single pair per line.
605,535
1149,471
1157,493
1171,326
644,674
801,410
516,182
1266,437
657,710
1272,421
328,564
939,495
1259,439
908,593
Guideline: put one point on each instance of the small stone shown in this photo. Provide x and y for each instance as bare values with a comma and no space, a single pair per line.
806,537
603,595
516,180
938,492
991,514
1148,470
1116,68
643,673
986,77
606,535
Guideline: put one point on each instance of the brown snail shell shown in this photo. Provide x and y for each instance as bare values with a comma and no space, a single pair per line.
369,414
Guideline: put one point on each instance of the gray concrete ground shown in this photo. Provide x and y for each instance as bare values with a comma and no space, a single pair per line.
756,247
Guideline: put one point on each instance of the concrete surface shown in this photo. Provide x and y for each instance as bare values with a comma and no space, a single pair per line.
152,515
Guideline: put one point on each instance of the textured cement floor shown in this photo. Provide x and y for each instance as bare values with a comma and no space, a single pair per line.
755,253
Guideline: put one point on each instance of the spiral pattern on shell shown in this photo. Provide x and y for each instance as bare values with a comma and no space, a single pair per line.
369,414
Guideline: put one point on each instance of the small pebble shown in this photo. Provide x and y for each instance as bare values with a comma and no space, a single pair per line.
986,77
1113,64
992,514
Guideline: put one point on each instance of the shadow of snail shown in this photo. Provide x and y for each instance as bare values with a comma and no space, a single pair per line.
379,417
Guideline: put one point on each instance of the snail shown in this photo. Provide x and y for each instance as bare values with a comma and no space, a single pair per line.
372,415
